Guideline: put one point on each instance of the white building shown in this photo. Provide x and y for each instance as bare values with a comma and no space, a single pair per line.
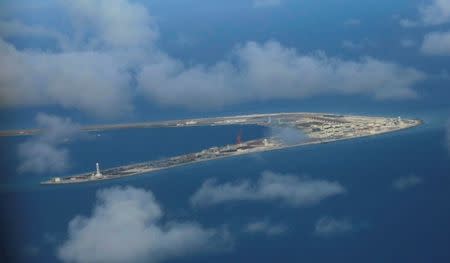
97,172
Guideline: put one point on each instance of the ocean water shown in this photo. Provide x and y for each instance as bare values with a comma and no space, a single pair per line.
126,146
390,226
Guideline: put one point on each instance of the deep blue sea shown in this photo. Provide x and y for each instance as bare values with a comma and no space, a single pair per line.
392,226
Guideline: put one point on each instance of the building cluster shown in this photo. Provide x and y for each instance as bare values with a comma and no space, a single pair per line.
319,128
349,127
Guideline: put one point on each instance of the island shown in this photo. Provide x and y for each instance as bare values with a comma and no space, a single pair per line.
317,127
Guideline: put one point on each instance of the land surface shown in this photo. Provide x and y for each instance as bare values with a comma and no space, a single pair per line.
318,128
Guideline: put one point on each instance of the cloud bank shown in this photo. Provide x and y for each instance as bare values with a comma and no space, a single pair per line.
406,182
289,189
270,71
125,226
44,153
88,81
109,57
92,73
329,226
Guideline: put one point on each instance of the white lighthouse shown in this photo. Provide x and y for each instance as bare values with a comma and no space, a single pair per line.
97,172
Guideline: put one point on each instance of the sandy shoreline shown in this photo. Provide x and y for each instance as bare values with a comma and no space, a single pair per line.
318,141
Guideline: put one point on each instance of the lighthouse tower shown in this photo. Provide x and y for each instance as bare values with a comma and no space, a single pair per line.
97,172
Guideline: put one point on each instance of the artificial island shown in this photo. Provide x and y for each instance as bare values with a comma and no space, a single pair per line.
317,128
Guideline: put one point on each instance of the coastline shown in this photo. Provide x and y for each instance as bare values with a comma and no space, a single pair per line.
195,122
280,147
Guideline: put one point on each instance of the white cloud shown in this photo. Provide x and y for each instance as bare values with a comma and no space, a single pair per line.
408,23
114,41
290,189
435,13
111,23
43,153
41,157
125,226
92,82
328,226
265,227
266,3
436,43
259,72
92,74
406,182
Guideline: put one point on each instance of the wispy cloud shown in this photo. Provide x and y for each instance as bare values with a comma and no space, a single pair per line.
352,22
407,43
125,226
265,227
44,153
289,189
436,43
357,45
431,13
287,135
407,23
406,182
329,226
